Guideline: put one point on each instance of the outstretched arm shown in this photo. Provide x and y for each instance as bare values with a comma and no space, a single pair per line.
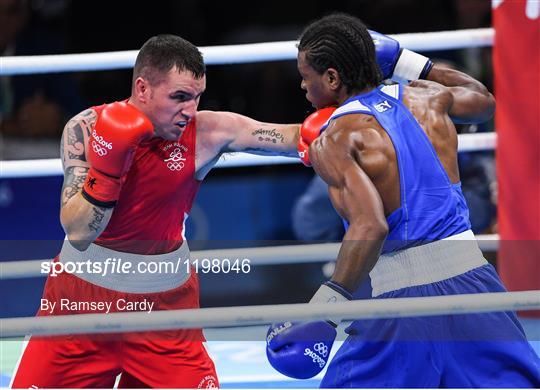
233,132
472,102
356,199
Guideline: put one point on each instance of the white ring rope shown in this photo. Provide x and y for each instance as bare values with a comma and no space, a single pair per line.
272,255
267,314
232,54
53,167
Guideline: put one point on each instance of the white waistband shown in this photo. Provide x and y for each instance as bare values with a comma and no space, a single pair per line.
127,272
426,264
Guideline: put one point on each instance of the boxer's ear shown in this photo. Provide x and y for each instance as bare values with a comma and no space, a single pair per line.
332,78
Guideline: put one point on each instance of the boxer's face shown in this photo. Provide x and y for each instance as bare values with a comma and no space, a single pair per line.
315,84
172,102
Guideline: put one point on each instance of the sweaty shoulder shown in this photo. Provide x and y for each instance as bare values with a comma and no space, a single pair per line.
361,138
344,137
348,130
427,94
359,131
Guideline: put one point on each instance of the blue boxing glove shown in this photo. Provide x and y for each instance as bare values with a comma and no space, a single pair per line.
397,63
301,350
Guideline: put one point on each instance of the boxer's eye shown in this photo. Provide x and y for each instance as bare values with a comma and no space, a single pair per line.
181,97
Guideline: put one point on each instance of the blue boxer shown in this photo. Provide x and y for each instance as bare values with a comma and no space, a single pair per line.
430,251
389,152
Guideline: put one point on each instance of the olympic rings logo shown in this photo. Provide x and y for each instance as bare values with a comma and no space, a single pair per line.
98,149
175,162
100,140
175,166
321,348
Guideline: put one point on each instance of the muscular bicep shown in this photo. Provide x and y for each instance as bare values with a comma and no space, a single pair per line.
352,192
72,151
239,133
470,102
470,106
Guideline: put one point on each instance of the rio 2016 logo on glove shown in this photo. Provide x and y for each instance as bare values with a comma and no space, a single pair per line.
321,348
316,358
100,144
100,151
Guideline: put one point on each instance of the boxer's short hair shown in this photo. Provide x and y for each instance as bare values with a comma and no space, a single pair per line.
342,42
163,52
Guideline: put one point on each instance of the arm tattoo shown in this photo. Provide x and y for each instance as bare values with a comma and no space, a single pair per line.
98,214
269,135
75,137
74,178
72,152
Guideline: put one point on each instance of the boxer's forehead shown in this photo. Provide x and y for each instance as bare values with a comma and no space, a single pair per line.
184,80
304,68
301,63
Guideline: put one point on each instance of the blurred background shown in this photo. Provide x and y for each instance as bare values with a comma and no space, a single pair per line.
252,206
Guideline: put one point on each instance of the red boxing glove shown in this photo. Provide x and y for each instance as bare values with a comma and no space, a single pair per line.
118,131
310,130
